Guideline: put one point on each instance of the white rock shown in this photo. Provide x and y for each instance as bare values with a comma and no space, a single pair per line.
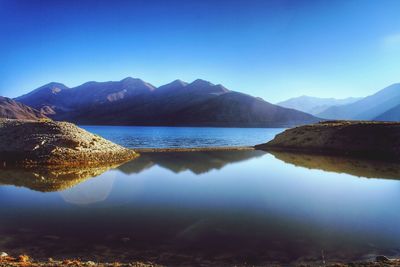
3,254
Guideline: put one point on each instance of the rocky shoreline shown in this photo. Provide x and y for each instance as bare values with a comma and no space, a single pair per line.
50,143
366,139
25,260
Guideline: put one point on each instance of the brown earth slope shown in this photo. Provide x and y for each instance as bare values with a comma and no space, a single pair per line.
24,142
367,139
11,109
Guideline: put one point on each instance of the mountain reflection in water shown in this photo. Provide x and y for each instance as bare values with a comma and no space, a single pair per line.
196,162
59,179
50,180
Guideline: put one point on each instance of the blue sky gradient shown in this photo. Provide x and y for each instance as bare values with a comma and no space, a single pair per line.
271,49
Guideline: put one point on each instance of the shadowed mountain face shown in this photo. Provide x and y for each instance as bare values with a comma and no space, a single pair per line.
353,166
11,109
368,108
237,109
315,105
392,114
57,100
135,102
196,162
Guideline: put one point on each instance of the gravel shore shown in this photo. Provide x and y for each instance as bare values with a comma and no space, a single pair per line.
366,139
50,143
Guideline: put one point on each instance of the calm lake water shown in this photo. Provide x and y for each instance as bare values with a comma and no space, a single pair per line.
210,208
162,137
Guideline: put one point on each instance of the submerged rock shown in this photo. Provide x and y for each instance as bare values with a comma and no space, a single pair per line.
368,139
46,143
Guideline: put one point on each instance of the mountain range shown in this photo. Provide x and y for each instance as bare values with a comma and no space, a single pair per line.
315,105
132,101
200,103
11,109
383,105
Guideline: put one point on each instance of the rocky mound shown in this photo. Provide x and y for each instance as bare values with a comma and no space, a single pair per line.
369,139
24,142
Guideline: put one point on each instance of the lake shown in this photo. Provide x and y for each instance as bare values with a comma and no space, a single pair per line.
173,137
206,208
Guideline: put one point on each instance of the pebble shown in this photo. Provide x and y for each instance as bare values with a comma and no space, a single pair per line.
382,258
3,254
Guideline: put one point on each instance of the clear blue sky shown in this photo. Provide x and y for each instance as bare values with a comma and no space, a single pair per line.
271,49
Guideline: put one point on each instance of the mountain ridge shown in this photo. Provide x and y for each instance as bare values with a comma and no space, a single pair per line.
368,108
132,101
315,105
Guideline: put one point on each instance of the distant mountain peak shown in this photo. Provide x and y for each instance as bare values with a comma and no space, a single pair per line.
222,88
127,79
315,105
173,85
137,82
178,82
207,87
54,84
52,87
200,82
132,80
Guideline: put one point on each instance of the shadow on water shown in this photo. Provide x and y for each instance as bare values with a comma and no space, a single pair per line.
349,165
196,162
